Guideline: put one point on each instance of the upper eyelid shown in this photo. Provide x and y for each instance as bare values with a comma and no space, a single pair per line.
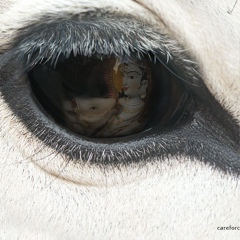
119,31
25,13
118,36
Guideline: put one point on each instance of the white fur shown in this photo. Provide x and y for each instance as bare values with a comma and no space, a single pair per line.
212,35
177,199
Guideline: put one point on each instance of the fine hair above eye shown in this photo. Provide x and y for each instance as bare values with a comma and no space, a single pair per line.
106,36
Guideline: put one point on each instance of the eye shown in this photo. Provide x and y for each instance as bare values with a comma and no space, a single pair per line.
180,111
88,95
43,89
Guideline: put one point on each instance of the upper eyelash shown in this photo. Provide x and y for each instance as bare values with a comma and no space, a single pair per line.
84,38
119,37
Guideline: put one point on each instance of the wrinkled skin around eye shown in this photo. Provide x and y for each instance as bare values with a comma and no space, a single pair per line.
180,196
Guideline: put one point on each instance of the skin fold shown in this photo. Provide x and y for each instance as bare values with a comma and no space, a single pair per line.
43,196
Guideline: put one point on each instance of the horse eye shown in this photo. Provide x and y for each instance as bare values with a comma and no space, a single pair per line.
88,95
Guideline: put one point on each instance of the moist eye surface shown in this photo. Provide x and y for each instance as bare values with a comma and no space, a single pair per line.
106,97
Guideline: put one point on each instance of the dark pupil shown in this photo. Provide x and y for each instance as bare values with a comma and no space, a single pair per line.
90,96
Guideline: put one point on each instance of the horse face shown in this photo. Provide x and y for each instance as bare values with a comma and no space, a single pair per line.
176,184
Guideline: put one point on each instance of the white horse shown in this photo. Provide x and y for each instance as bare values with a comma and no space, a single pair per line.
188,193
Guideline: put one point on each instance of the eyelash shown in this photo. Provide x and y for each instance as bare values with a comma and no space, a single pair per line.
27,51
38,43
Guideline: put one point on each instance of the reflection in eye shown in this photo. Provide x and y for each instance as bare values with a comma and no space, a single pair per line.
108,97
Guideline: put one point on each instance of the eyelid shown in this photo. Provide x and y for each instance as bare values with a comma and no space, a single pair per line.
109,36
